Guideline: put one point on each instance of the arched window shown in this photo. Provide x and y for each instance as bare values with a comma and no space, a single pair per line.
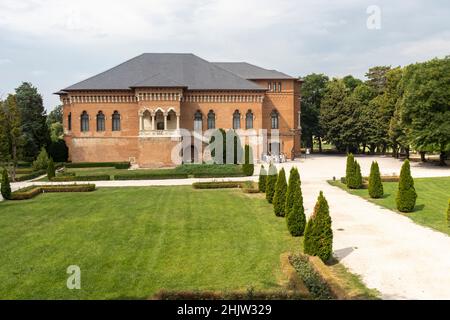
198,120
249,120
236,120
274,119
116,121
69,121
100,121
211,120
84,121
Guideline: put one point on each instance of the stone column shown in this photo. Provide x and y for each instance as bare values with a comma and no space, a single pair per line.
165,120
178,122
141,122
153,121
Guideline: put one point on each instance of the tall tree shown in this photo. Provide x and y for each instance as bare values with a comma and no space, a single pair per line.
313,89
377,78
55,116
425,106
351,82
11,138
34,125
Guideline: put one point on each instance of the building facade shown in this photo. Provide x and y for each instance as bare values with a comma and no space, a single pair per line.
134,111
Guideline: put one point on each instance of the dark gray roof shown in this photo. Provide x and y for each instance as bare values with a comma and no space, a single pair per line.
249,71
166,70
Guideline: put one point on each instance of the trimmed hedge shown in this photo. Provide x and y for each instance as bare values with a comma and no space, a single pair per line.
295,212
262,179
151,176
62,178
117,165
279,197
6,186
375,185
271,181
218,184
249,294
32,191
218,174
406,195
30,176
248,167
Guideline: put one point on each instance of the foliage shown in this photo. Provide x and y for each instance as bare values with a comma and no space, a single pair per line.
61,178
51,172
56,131
318,239
32,191
448,213
353,175
33,115
295,212
248,166
262,179
55,116
377,78
217,185
6,186
271,181
279,197
150,176
218,153
375,184
59,152
406,194
117,165
41,162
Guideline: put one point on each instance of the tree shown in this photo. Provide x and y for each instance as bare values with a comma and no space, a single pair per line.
58,151
295,212
313,89
41,162
248,166
425,106
55,116
11,137
262,179
33,115
375,184
271,181
351,82
219,157
353,177
279,198
56,131
350,167
377,78
406,194
5,187
51,172
318,239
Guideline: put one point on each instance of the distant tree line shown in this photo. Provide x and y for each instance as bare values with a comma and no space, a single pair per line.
396,109
25,129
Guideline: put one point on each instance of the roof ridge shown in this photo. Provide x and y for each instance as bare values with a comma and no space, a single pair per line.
153,76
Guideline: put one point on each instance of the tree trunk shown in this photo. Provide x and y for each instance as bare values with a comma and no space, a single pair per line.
442,158
320,144
422,156
383,151
311,142
364,148
407,152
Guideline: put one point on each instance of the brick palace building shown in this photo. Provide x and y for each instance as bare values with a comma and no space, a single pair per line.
133,111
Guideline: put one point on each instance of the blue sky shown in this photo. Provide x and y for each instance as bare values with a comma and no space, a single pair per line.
55,43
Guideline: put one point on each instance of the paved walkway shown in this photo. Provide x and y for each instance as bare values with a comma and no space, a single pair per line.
391,253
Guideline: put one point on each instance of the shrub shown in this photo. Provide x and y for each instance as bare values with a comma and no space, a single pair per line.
151,176
375,185
448,213
248,166
218,184
406,195
62,178
41,162
350,168
32,191
262,179
51,169
58,151
30,176
279,198
353,177
295,212
318,239
216,174
6,186
271,181
117,165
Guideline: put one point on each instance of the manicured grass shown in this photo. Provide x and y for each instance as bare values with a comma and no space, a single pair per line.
431,204
131,242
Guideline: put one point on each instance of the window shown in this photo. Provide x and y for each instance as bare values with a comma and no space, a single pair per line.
69,121
270,87
100,121
211,120
236,120
116,121
249,120
279,86
84,121
274,87
274,119
198,120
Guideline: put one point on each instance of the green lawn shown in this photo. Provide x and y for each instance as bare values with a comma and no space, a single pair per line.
131,242
431,205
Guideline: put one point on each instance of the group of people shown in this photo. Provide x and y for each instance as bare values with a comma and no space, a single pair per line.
274,158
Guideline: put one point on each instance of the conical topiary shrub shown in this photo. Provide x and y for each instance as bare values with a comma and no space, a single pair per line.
262,179
354,179
271,181
279,198
6,186
248,166
375,185
318,239
406,195
295,212
51,169
350,168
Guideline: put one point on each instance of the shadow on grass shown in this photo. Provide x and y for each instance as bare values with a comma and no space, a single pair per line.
418,208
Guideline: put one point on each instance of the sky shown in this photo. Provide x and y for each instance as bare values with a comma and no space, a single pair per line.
56,43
